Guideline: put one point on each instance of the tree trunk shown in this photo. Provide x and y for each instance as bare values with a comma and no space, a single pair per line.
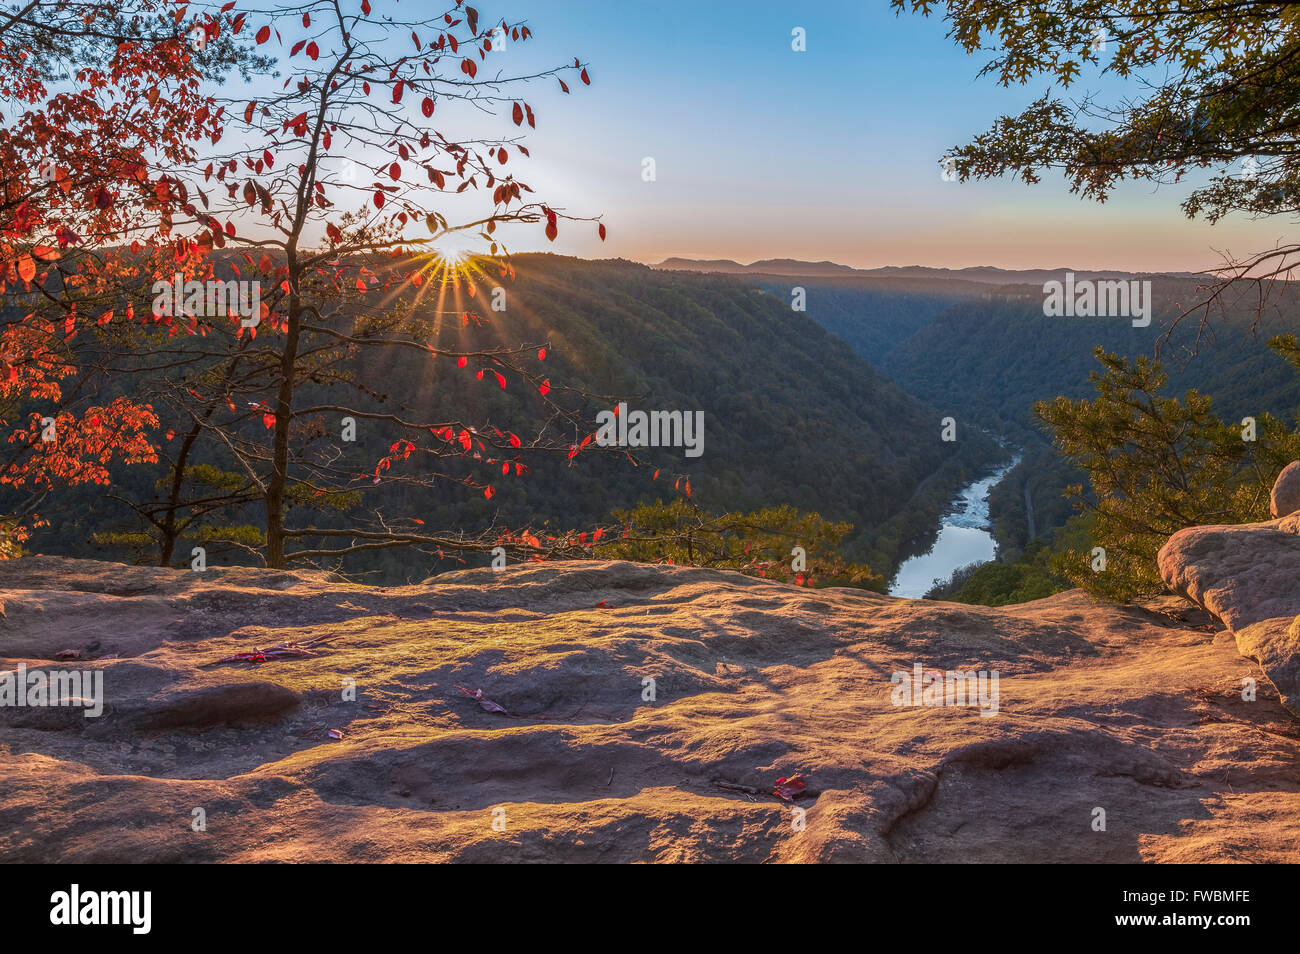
167,540
275,487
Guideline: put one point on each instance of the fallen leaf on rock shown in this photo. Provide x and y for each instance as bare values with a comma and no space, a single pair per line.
335,734
788,789
68,654
486,704
279,651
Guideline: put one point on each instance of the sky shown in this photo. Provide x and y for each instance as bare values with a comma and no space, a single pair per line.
830,153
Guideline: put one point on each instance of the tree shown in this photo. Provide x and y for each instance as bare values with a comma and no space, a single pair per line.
106,99
1156,465
345,191
777,543
1220,91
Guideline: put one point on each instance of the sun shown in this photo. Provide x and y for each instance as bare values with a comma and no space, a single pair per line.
453,257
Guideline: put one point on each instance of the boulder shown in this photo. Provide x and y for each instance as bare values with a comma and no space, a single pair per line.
1242,574
1248,576
1285,498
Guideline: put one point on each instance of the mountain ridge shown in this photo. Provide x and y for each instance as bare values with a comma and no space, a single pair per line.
983,274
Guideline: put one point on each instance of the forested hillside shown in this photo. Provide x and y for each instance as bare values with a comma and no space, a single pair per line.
986,355
792,416
990,360
872,315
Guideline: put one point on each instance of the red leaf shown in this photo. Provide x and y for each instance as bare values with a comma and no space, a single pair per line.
601,230
545,387
427,106
788,788
541,354
395,171
263,34
518,114
584,77
365,7
488,492
312,49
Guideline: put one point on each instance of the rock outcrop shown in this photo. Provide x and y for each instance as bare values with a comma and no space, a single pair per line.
1285,498
1248,577
650,711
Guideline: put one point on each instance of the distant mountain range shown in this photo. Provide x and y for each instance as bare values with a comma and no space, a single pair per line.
984,274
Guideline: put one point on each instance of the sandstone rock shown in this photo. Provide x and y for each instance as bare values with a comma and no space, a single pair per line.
1249,577
752,680
241,703
1242,574
1285,498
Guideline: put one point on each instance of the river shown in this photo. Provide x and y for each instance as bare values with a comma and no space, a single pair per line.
965,537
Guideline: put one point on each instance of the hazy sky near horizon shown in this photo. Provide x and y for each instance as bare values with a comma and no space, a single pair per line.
832,153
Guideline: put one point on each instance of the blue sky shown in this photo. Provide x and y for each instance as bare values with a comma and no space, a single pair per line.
831,153
761,151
